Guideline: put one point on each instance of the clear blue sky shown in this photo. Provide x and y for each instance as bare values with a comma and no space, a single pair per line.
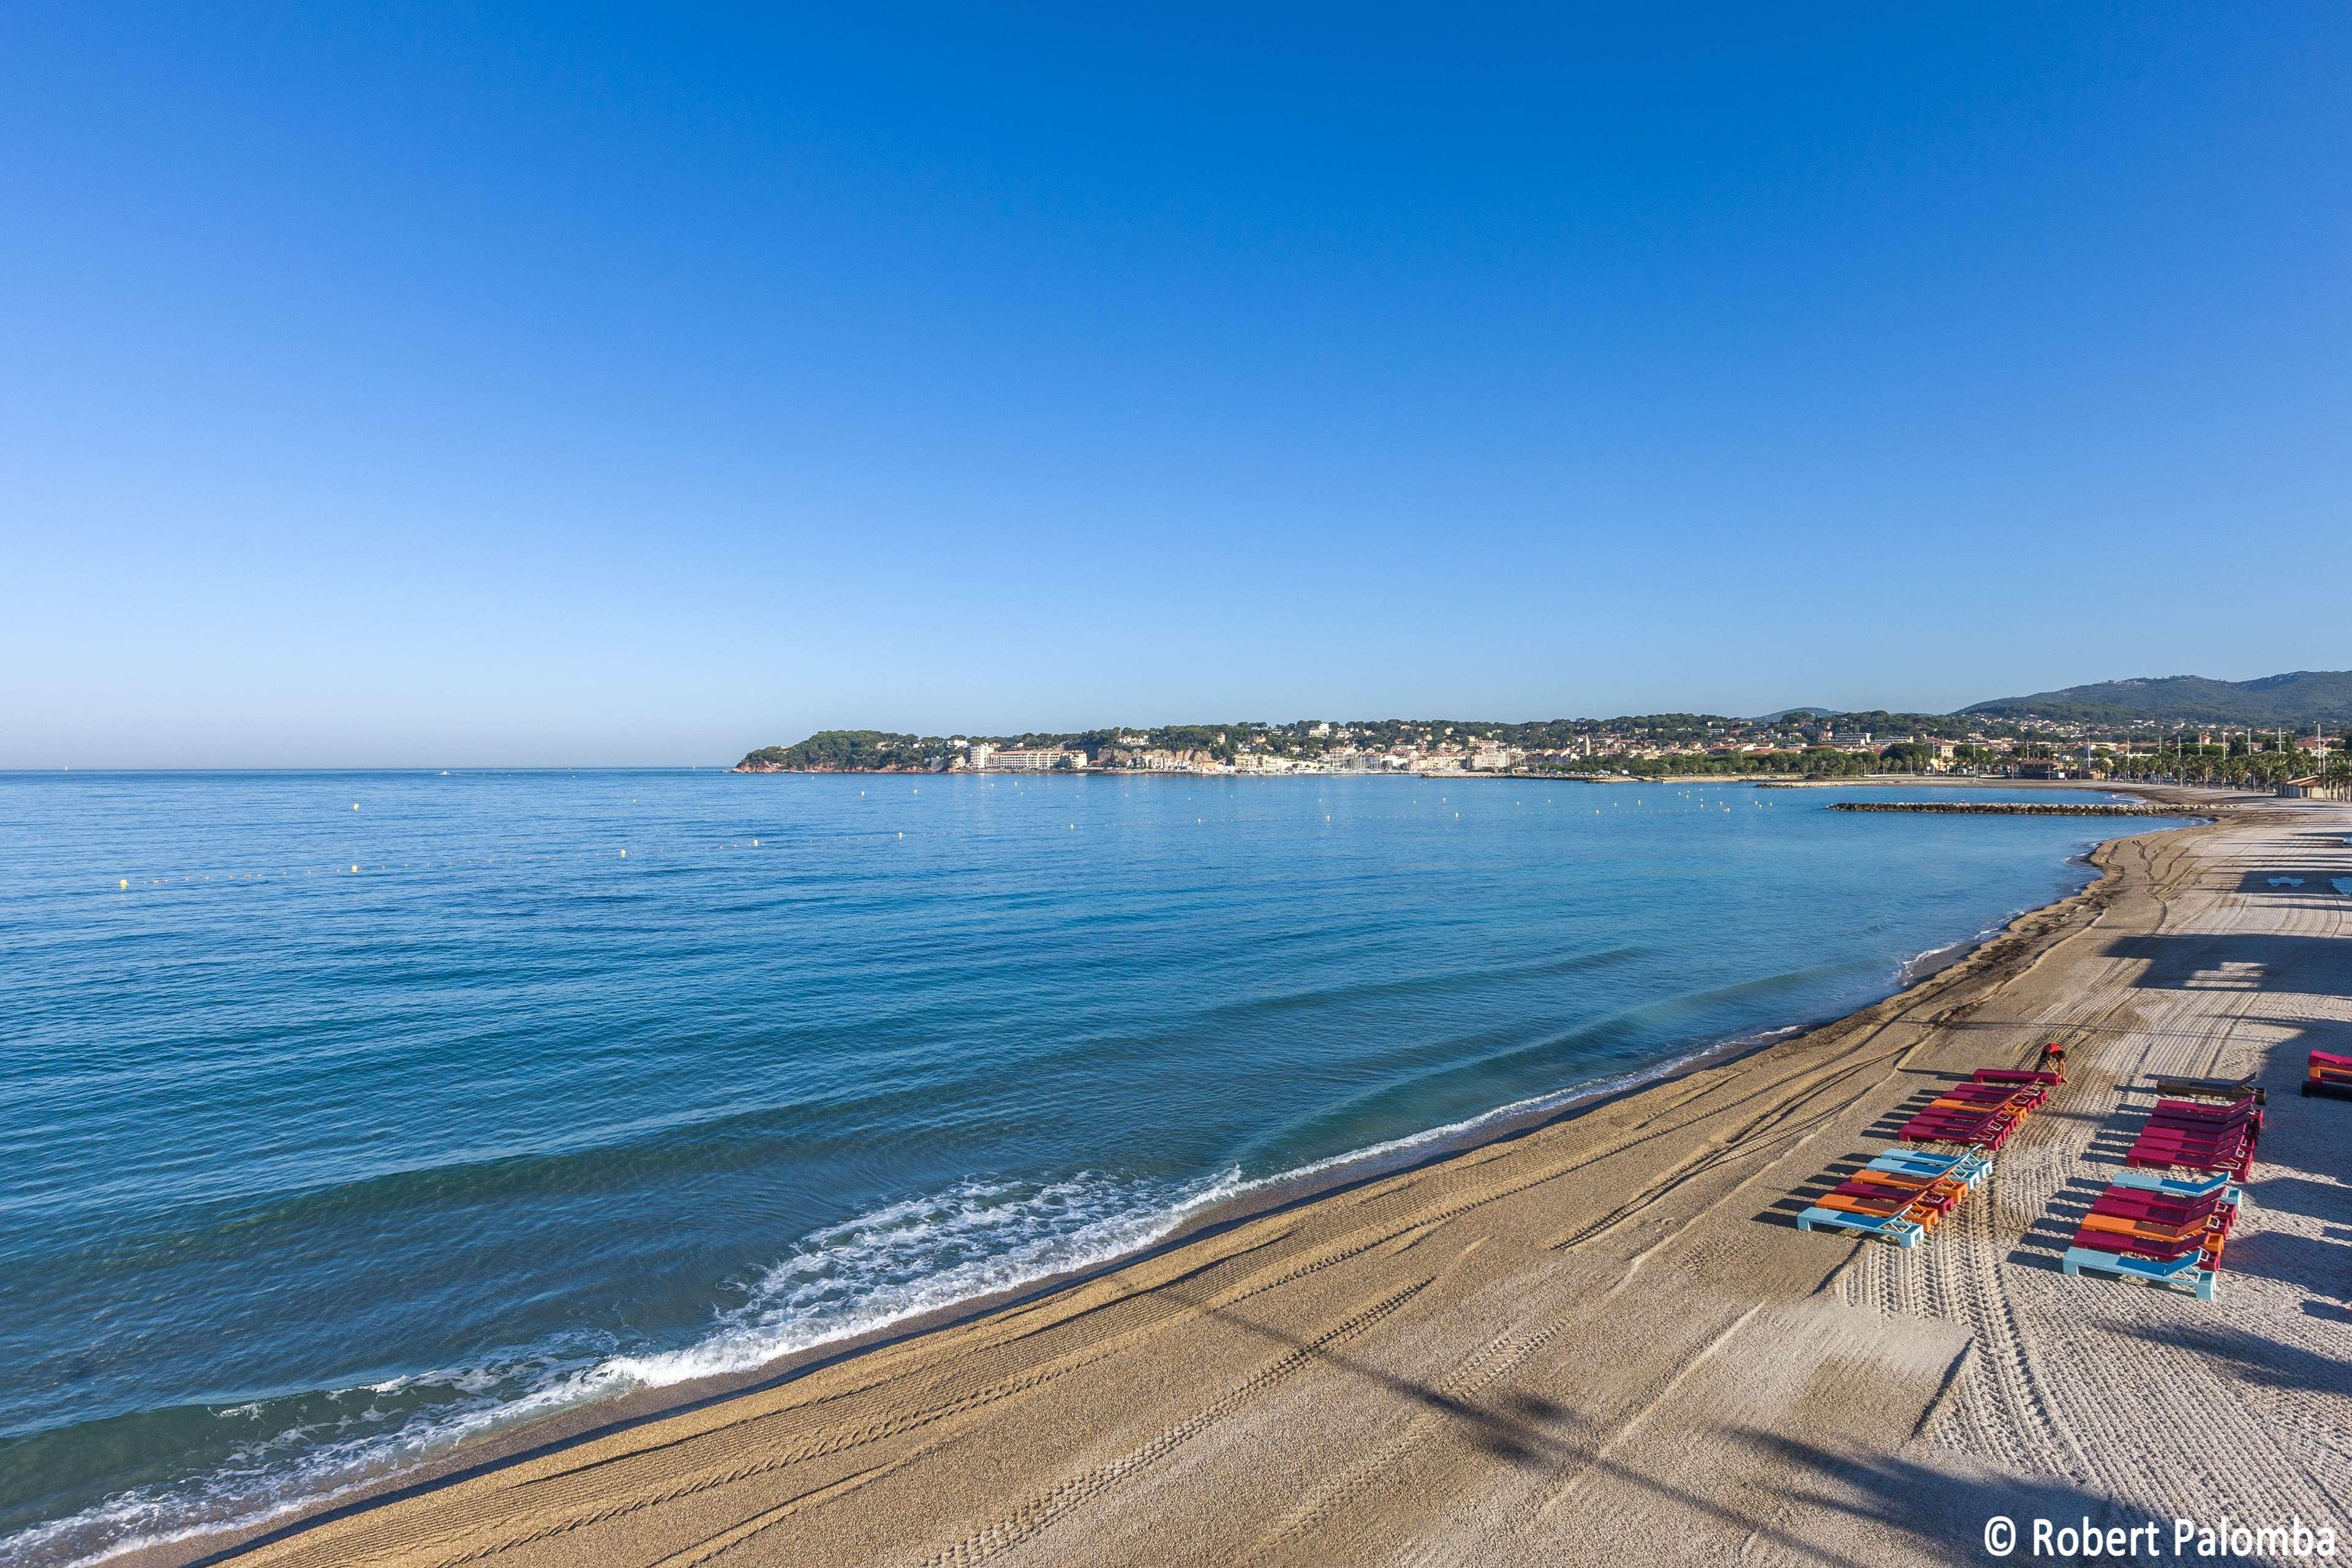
387,385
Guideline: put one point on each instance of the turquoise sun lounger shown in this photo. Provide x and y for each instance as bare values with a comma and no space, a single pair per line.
2191,1269
1967,1169
2174,1187
1894,1226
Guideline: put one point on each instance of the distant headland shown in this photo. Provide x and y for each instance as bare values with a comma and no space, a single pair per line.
2116,729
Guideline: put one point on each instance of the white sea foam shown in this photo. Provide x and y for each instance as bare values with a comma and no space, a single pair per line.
977,1238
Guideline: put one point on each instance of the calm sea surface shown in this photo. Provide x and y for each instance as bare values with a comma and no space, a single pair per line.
340,1134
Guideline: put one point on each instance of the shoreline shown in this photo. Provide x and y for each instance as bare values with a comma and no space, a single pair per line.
1273,1196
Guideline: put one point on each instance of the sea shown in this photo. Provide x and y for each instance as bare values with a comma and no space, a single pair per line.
346,1117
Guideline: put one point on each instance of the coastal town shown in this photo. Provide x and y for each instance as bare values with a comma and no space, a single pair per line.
1798,744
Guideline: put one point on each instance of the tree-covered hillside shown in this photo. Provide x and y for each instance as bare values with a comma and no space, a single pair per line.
2292,701
850,751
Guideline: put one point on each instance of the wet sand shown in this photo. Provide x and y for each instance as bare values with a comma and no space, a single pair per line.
1602,1337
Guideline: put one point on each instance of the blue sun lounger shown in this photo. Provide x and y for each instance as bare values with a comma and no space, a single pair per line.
1967,1168
1895,1228
2174,1187
2191,1270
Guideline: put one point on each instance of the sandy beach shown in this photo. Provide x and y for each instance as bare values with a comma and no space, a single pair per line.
1602,1337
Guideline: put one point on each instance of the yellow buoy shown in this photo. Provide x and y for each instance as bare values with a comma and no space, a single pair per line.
755,844
902,836
625,854
355,870
355,805
125,882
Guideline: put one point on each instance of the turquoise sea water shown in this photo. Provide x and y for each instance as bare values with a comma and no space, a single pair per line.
338,1135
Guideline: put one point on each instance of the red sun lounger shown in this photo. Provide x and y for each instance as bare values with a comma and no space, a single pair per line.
2190,1114
2151,1209
2234,1154
1983,1114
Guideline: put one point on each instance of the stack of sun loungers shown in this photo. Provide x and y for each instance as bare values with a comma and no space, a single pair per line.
2154,1229
2200,1137
2329,1074
1899,1196
1904,1193
1982,1112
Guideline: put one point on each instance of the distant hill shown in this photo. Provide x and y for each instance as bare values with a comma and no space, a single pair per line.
1818,709
2275,702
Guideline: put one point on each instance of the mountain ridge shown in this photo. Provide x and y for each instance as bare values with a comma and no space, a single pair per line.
2295,698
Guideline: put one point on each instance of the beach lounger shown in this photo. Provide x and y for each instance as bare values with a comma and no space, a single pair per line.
2112,1240
1970,1166
1974,1096
2159,1249
1925,1204
2208,1131
2244,1113
2210,1088
1895,1228
2234,1155
2171,1132
2139,1235
2161,1137
2160,1208
2205,1138
1986,1124
1962,1095
2174,1185
1899,1196
1885,1178
2191,1270
2328,1074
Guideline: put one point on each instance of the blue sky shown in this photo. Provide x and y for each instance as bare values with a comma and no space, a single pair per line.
396,385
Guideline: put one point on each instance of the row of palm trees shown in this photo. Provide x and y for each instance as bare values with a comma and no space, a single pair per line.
2247,770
